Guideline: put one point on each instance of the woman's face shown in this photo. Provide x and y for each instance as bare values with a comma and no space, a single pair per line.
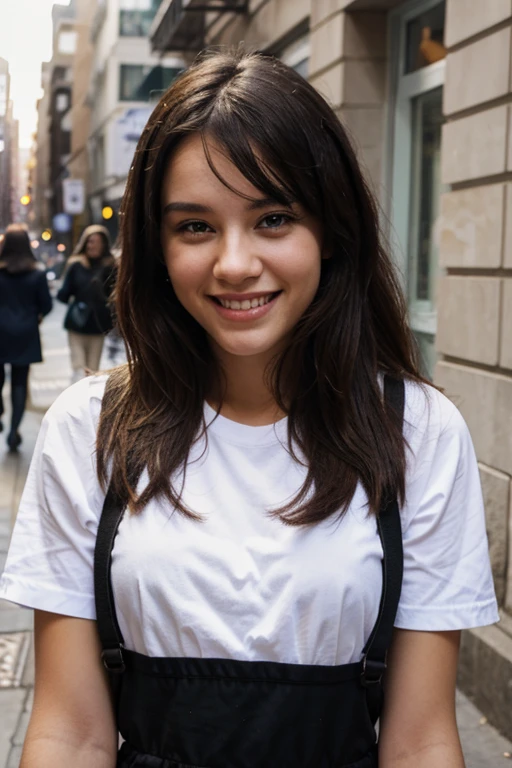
245,270
94,246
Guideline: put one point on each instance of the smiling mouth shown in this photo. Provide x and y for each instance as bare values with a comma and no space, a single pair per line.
245,304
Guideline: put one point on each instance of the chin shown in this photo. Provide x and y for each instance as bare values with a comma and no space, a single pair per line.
244,348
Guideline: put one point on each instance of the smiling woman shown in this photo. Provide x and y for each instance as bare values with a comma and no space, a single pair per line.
246,271
268,498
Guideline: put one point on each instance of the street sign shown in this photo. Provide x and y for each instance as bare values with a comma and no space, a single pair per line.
73,192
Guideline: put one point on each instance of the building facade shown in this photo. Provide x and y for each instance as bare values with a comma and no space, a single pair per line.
53,137
424,88
126,78
80,115
40,173
6,146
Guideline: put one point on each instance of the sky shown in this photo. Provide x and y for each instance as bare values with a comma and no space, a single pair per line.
26,41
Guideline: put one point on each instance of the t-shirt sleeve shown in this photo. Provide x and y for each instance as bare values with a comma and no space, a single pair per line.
50,561
447,583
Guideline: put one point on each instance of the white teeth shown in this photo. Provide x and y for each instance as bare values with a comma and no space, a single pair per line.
246,303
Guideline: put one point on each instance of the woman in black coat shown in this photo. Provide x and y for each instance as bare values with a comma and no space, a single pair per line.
24,300
88,282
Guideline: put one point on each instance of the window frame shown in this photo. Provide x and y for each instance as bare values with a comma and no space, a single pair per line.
404,89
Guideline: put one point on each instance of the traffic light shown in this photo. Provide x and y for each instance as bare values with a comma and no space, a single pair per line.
25,199
107,212
46,235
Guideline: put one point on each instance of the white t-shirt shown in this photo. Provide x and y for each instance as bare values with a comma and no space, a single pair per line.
241,584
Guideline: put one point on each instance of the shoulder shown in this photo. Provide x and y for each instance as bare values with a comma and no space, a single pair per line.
438,441
39,275
74,415
429,414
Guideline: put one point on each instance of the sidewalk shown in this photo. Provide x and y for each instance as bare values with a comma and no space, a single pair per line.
483,746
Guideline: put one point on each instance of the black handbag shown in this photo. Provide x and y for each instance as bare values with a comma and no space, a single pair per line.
78,314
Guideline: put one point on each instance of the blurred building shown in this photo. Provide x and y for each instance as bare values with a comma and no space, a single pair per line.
54,129
8,150
424,88
82,100
126,79
40,175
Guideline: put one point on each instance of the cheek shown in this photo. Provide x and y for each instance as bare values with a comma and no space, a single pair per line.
186,272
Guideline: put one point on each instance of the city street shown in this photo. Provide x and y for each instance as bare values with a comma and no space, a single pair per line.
483,746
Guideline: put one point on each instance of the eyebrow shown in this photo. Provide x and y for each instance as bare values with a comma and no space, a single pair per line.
184,207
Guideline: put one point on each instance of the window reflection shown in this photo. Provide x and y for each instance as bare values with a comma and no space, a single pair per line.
427,119
425,39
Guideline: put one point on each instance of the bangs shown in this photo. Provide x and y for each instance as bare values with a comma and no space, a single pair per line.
264,156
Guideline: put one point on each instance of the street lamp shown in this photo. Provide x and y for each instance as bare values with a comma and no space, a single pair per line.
25,199
46,235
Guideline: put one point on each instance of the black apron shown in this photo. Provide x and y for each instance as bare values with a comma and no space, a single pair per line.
221,713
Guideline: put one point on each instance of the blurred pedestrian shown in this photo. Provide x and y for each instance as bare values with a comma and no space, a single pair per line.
88,282
24,300
242,521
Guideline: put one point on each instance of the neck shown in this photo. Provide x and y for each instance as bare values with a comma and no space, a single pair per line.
246,397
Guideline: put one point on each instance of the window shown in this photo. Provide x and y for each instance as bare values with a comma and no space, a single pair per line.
136,16
296,55
67,42
425,39
61,102
142,83
417,119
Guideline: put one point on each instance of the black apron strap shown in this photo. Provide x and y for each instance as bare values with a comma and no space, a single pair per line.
108,628
390,532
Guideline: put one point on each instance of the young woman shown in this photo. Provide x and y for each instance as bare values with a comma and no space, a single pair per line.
241,578
24,300
89,280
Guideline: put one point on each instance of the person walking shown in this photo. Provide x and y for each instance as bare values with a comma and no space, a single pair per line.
88,281
267,526
24,300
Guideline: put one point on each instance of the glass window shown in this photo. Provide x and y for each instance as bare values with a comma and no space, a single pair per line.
67,42
142,83
417,33
425,39
427,119
61,102
297,55
136,16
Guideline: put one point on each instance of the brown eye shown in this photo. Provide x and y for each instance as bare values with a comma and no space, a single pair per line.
275,221
195,227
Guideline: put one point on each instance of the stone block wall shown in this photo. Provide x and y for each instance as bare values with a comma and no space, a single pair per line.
348,66
474,336
475,296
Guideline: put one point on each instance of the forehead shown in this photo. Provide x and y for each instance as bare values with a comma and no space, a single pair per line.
188,172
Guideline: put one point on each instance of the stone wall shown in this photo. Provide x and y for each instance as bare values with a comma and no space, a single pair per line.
475,293
474,300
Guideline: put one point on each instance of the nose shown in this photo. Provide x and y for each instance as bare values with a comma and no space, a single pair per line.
236,260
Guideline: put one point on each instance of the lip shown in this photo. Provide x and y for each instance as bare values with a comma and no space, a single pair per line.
244,315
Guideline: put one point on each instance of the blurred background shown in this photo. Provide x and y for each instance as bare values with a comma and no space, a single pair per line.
423,86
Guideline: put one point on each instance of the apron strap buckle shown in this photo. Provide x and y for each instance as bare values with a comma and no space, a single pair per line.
373,671
113,660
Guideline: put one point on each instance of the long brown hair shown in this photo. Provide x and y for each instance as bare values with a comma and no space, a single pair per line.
16,254
285,139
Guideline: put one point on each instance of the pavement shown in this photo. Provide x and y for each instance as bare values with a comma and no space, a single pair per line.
483,746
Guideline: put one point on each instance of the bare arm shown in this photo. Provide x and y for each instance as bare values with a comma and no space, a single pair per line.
72,720
418,727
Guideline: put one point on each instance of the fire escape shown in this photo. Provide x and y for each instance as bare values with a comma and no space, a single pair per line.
180,25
